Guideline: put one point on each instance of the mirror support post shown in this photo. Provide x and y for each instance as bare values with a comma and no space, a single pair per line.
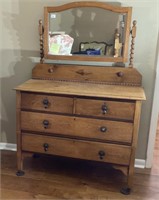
118,45
133,35
41,33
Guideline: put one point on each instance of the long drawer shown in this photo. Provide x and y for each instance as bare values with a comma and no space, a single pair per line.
118,154
50,103
105,108
77,126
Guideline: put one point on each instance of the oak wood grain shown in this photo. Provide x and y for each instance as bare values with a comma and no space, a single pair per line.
118,154
108,75
47,102
134,142
87,128
120,110
18,131
83,89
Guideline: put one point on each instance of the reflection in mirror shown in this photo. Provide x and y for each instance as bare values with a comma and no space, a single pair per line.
87,31
84,30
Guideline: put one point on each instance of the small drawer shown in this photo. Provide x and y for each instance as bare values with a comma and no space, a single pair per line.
105,108
77,127
47,103
118,154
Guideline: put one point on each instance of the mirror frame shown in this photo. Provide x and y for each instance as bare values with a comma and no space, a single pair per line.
102,5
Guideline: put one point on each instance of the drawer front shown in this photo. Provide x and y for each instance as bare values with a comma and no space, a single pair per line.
111,153
47,103
77,126
105,109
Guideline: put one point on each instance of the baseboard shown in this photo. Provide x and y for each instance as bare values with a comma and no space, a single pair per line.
8,146
139,163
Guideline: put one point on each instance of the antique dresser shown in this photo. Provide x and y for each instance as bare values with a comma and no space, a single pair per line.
86,111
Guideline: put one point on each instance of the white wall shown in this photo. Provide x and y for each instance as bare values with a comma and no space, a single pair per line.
20,41
154,115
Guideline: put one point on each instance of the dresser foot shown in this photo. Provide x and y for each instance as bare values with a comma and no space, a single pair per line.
125,190
36,155
20,173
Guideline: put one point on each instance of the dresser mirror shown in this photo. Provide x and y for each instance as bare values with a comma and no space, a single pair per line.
87,31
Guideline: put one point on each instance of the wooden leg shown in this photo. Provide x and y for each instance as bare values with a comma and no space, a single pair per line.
130,180
126,171
20,171
127,189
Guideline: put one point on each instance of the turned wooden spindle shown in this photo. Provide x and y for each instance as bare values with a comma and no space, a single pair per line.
133,35
41,32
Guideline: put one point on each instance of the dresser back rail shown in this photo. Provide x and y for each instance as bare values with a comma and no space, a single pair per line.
96,74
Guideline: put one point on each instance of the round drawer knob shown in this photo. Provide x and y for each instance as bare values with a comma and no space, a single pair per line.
51,70
46,146
45,123
120,74
101,154
104,109
45,103
103,129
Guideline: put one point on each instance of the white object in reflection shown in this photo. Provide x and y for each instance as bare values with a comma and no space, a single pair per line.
60,44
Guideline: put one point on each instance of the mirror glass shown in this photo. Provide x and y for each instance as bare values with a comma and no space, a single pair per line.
86,33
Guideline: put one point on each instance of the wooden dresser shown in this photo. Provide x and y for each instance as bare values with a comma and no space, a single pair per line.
79,119
83,112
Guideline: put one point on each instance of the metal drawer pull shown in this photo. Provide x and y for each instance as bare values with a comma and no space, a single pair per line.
101,154
46,146
104,109
46,103
46,123
103,129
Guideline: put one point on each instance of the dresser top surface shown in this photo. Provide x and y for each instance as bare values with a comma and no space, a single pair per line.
82,89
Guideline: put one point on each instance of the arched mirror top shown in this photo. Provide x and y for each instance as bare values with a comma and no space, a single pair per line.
87,31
